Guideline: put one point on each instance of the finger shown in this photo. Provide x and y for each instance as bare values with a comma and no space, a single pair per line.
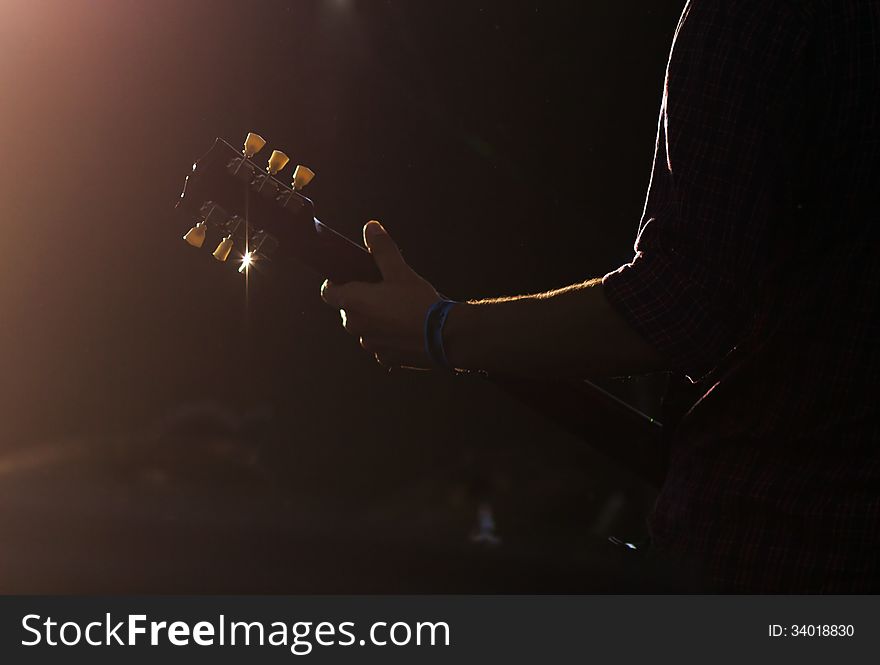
374,345
353,323
391,358
328,292
386,361
343,296
385,252
398,356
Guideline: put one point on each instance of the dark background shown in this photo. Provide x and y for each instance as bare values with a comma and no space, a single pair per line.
505,145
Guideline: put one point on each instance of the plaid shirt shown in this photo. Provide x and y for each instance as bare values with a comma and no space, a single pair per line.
755,272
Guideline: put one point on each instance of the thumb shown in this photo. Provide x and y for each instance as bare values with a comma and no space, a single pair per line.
384,250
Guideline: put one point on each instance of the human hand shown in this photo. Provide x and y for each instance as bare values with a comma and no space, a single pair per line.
388,317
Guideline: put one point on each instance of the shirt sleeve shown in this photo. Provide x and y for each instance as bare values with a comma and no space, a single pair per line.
708,230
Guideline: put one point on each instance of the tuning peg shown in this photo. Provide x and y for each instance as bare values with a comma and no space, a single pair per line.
246,262
223,249
196,235
253,144
277,161
302,176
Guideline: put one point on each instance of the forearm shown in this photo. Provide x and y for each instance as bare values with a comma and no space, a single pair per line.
572,332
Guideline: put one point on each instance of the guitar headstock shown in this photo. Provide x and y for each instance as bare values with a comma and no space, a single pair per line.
256,217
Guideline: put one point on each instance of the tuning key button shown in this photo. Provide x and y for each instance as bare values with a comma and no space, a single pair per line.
196,235
253,144
302,176
277,161
246,262
223,249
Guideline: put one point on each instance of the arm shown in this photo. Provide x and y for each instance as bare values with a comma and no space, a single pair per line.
566,333
570,332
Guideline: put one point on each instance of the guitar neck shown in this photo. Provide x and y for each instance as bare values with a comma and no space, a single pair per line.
350,261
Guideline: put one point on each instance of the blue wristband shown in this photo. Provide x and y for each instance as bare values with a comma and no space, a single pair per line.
435,319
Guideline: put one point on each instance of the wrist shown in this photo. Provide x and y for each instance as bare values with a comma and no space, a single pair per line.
456,336
433,333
